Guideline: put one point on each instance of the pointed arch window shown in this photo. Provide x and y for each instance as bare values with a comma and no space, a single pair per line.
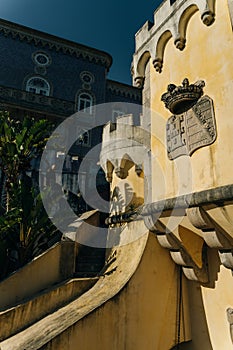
38,85
85,103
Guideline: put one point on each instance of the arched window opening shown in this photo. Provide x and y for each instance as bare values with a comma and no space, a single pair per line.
85,103
38,85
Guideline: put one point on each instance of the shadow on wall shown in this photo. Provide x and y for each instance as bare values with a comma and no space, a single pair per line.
182,346
121,202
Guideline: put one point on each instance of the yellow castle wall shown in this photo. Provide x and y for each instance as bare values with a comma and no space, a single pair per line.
208,56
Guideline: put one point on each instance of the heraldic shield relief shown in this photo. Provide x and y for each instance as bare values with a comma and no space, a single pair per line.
193,123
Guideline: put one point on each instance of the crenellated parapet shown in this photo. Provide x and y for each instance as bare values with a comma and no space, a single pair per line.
170,23
124,146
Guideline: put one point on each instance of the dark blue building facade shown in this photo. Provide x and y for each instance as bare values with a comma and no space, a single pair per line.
42,75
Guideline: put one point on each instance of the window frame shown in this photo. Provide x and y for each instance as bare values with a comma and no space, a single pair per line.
36,89
88,109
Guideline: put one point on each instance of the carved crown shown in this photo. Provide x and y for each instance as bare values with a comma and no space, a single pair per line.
179,99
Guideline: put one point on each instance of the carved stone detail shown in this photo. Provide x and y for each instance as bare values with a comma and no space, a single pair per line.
199,218
158,64
64,46
139,81
36,102
192,129
179,99
178,252
180,43
213,234
208,17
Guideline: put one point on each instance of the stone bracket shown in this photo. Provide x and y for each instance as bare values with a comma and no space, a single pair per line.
213,234
178,252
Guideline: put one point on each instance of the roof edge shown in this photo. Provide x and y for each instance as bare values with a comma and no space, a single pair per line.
37,37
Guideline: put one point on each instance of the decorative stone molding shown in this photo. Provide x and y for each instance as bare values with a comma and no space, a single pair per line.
139,82
170,21
208,18
158,64
214,235
54,43
178,252
42,104
188,107
180,43
125,91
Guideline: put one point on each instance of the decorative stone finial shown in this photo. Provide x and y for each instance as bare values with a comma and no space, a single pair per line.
208,17
180,43
139,81
179,99
158,64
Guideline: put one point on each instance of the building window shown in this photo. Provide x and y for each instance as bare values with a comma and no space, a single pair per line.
38,85
41,59
85,103
87,77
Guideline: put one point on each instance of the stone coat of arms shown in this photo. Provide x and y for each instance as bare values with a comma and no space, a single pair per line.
192,124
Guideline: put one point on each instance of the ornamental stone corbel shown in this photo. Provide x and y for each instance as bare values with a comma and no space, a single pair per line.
158,64
178,252
208,17
213,234
180,43
139,82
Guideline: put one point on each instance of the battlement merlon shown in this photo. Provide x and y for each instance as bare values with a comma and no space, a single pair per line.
170,22
123,142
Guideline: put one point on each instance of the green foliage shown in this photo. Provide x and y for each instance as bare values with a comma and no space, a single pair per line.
25,227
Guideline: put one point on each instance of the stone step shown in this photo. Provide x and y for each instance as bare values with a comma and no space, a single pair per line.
42,304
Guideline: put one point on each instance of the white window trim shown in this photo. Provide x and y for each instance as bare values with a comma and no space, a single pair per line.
88,103
37,89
